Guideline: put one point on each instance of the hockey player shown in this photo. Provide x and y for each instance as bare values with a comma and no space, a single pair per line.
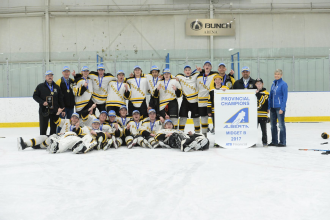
189,99
152,82
262,97
204,80
101,133
228,79
122,121
83,91
116,128
139,88
118,92
172,138
149,128
132,132
168,90
210,106
100,81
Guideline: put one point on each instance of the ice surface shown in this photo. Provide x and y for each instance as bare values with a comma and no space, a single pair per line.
257,183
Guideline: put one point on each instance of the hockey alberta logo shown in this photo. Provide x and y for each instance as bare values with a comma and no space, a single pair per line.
240,117
196,25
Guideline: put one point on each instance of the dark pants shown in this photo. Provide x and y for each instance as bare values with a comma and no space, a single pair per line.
143,109
43,123
213,120
115,108
263,125
100,107
274,115
68,114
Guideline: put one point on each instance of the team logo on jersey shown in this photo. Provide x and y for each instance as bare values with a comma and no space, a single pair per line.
241,116
196,25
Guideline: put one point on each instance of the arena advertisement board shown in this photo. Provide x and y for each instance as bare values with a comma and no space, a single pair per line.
210,27
236,118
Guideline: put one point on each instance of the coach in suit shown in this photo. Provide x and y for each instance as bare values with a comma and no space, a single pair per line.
50,98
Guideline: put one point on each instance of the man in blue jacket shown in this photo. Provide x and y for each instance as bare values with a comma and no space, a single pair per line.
276,106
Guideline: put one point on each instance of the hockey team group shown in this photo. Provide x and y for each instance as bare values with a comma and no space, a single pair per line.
156,123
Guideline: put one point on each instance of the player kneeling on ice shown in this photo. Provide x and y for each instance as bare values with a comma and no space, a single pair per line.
171,138
102,134
132,132
150,127
117,131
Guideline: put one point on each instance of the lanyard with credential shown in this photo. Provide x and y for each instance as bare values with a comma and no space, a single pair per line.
51,88
224,80
123,121
204,80
152,125
247,84
86,81
100,82
153,80
67,85
119,86
166,85
138,84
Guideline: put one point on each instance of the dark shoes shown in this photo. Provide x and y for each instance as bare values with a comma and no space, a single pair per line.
276,145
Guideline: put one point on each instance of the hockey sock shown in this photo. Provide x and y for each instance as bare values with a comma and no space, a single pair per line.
197,125
204,120
182,123
175,122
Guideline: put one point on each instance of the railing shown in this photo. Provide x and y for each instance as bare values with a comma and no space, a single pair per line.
300,71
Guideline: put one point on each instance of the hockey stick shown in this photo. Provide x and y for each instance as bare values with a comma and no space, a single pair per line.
2,137
324,143
313,150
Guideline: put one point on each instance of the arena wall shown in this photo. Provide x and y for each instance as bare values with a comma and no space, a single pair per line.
301,107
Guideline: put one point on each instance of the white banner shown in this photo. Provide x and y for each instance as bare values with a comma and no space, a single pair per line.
236,118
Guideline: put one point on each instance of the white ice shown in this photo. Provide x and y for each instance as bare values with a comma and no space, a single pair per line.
257,183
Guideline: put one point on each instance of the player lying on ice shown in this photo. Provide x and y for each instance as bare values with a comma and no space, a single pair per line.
171,138
73,139
43,141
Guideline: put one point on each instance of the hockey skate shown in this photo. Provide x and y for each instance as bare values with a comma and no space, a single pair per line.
155,145
107,144
21,145
132,143
115,142
202,144
99,143
79,148
188,147
53,147
163,145
146,144
91,146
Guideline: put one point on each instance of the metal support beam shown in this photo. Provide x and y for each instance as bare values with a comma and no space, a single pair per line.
47,49
7,62
211,37
293,73
258,68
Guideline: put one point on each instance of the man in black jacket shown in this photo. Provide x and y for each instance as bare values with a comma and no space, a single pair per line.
50,98
66,84
246,82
